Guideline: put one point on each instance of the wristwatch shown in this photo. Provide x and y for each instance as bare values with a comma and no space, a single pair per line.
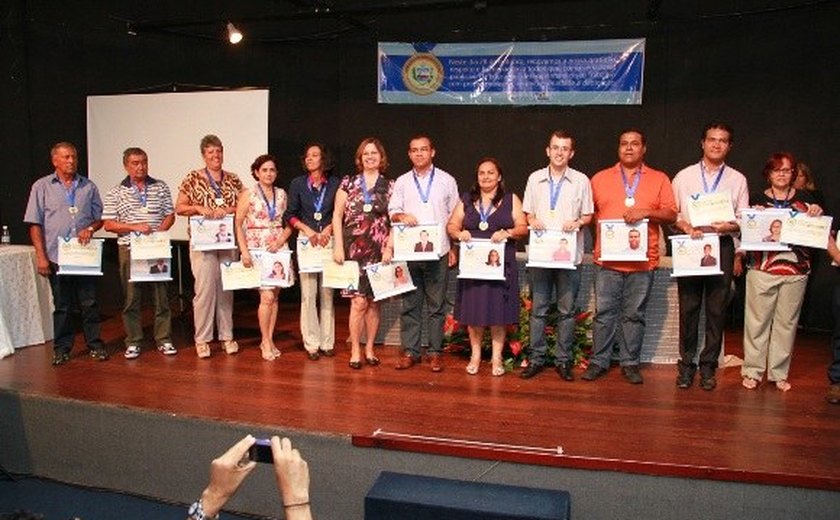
196,512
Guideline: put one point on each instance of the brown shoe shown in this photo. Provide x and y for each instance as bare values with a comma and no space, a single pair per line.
405,361
436,360
833,395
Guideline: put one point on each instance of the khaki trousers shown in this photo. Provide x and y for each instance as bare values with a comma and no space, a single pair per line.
317,333
210,301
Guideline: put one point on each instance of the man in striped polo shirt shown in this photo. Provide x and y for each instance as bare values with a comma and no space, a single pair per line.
140,204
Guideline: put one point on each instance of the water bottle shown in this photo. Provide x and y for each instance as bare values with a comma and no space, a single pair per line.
7,238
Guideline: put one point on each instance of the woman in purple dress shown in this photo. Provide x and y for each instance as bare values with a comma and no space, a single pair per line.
362,231
487,211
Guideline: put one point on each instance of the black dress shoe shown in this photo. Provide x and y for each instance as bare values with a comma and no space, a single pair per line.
372,361
327,353
355,365
632,375
313,356
593,372
530,371
564,370
60,358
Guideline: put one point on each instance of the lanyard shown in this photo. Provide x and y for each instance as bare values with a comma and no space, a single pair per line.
784,203
317,200
424,196
717,178
554,192
70,194
142,195
272,208
482,214
630,191
365,193
214,184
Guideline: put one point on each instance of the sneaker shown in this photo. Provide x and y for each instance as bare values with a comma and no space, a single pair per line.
632,375
593,372
131,352
60,358
167,349
100,354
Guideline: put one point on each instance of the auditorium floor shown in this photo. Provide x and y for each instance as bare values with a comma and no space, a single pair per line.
762,436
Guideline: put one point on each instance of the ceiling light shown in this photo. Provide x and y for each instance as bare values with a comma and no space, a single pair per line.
234,34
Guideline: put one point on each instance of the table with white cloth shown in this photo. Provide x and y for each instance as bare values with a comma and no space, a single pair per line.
26,302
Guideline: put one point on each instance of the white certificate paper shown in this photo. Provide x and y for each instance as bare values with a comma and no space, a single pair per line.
705,208
696,257
343,276
420,242
237,276
389,280
77,259
481,259
151,270
150,247
275,268
801,230
310,257
552,249
761,229
211,234
621,241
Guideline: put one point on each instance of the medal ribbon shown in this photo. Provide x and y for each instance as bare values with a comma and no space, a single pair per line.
554,192
717,178
630,191
365,193
317,201
784,203
214,184
70,194
482,214
424,196
142,195
272,208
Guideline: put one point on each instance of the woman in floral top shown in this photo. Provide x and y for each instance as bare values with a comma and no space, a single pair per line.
259,225
362,233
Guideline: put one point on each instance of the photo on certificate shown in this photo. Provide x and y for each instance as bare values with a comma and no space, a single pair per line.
389,280
420,242
341,276
705,209
211,234
150,270
275,268
621,241
310,258
695,257
77,259
761,229
236,276
802,230
150,246
481,259
552,249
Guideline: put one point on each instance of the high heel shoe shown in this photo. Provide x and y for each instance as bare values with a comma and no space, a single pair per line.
372,361
355,365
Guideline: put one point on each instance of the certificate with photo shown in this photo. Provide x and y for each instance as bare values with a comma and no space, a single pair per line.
481,259
552,249
341,276
150,246
389,280
706,208
150,270
696,257
310,258
77,259
625,242
420,242
208,234
761,229
801,230
275,268
236,276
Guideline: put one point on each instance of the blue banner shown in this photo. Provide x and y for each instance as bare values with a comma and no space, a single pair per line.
596,72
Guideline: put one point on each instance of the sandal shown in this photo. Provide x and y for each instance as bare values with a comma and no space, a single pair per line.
472,369
783,385
372,361
269,354
203,350
749,383
498,370
231,346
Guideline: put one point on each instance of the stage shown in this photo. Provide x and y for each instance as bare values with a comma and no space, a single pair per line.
604,441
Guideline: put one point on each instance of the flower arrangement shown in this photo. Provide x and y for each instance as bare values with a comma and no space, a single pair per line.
456,339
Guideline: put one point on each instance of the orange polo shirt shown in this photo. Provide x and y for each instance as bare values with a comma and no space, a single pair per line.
654,192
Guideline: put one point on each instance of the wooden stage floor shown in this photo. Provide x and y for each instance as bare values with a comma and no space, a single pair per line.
762,436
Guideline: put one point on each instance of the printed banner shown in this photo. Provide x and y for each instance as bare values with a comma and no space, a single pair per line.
209,234
275,268
624,242
77,259
150,270
801,230
587,72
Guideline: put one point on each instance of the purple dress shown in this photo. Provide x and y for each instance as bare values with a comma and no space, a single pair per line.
482,303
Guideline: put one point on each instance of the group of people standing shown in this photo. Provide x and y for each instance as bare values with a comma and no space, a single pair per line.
354,215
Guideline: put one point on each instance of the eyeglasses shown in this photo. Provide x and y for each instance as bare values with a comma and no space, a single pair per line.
786,171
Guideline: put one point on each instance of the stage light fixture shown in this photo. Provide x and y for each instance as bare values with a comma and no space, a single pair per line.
234,34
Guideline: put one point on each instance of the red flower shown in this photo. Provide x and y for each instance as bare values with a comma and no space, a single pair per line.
583,315
450,325
527,304
515,347
511,328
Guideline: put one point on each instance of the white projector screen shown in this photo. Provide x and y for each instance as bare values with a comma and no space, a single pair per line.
169,127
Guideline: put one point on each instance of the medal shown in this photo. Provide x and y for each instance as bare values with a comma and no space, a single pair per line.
219,201
317,201
367,208
629,190
73,210
483,225
318,216
144,209
554,193
630,202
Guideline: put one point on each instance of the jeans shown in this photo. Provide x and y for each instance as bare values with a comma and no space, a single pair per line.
134,297
834,367
68,290
545,283
620,305
430,278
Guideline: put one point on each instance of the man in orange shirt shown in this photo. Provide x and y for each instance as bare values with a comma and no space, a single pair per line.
630,191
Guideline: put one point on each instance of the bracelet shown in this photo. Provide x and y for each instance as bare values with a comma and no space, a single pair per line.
299,504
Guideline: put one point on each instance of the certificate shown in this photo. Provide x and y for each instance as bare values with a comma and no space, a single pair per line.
237,276
552,249
389,280
75,258
761,229
311,257
621,241
208,234
801,230
275,268
341,276
696,257
705,208
151,270
150,247
420,242
481,259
